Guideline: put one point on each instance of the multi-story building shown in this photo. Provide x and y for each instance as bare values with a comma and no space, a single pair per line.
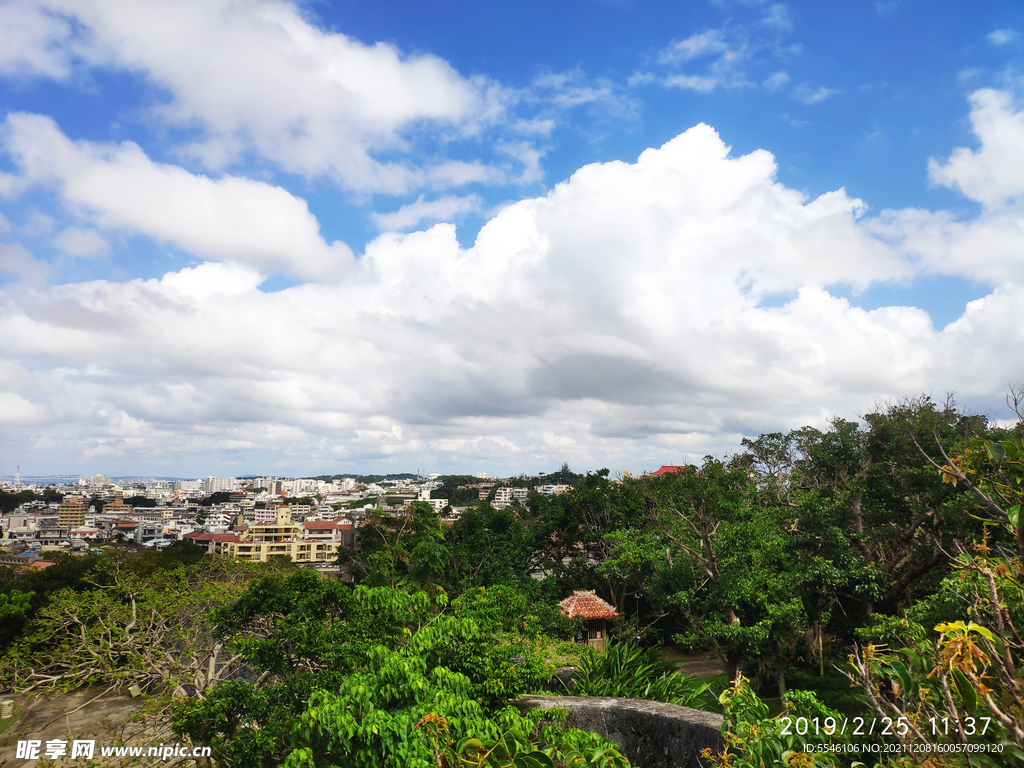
117,507
98,483
219,484
505,496
71,514
56,536
552,490
300,511
148,530
312,543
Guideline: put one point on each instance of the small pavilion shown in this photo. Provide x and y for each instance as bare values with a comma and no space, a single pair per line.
586,603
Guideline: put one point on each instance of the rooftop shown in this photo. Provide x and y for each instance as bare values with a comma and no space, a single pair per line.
586,603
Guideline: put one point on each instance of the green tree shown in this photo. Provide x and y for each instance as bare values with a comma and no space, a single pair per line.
376,716
406,547
963,683
733,568
488,546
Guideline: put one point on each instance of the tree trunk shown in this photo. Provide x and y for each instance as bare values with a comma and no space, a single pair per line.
732,666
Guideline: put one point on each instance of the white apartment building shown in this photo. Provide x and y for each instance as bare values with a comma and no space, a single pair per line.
505,496
552,490
219,484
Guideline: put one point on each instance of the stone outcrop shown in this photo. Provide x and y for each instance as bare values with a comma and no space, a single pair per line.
650,733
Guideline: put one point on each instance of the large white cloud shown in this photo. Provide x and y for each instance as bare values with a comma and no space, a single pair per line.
258,76
636,313
33,41
119,187
994,174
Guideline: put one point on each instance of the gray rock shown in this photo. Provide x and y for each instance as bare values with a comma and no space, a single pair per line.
650,733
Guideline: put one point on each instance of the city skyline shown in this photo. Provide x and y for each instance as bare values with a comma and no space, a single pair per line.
336,237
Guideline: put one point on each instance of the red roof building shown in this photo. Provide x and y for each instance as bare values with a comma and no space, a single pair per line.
666,469
586,603
214,542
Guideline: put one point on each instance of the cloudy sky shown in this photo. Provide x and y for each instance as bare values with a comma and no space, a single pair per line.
258,236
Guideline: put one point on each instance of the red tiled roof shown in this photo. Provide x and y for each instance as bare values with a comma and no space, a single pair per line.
38,565
320,525
666,469
586,603
198,536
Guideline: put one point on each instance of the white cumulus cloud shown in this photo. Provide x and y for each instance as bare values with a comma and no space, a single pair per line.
1002,36
994,173
259,76
117,186
637,312
442,209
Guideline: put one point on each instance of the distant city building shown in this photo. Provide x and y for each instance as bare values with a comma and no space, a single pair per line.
220,484
552,490
71,514
505,496
312,542
117,507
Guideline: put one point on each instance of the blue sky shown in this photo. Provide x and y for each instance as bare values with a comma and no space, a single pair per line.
262,236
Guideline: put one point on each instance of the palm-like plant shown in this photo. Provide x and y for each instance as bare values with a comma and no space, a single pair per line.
629,671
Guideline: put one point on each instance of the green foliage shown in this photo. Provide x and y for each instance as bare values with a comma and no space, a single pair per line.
241,723
219,497
10,501
14,605
965,684
734,582
384,653
630,672
360,503
634,559
488,547
446,670
755,740
375,717
140,501
454,489
498,609
399,549
14,608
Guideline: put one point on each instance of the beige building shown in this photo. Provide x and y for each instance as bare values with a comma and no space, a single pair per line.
117,507
314,542
71,514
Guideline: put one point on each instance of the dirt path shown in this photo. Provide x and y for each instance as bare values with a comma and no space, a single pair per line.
694,665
